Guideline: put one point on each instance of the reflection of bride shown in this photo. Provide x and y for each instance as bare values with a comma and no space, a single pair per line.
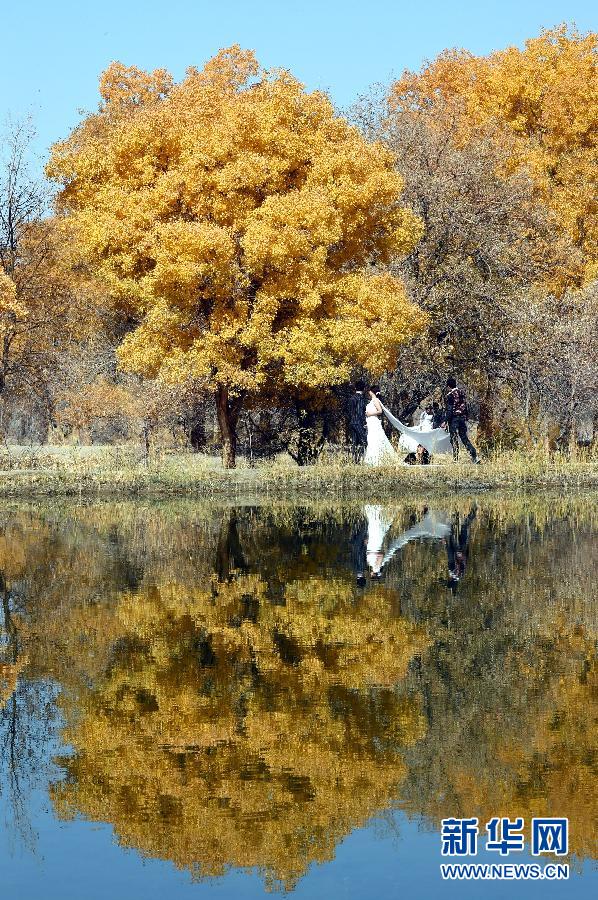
434,525
379,449
379,521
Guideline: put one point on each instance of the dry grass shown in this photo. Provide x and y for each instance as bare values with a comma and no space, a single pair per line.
121,471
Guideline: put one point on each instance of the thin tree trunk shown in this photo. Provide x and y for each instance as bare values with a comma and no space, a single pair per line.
572,443
146,443
567,438
228,410
486,417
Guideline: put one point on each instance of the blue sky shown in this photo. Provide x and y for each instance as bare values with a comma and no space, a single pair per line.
54,50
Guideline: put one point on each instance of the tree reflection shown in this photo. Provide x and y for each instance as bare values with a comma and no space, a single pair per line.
228,729
26,706
509,681
234,698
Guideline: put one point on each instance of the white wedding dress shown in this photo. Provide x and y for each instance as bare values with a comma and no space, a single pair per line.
409,444
436,440
434,524
379,449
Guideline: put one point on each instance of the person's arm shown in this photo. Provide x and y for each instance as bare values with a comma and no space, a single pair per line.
377,406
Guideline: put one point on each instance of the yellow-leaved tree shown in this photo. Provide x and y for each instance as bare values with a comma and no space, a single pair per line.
544,98
241,222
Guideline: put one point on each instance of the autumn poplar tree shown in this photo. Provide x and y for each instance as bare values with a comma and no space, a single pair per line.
241,223
545,99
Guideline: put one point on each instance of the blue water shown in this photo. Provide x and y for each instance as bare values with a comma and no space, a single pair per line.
81,860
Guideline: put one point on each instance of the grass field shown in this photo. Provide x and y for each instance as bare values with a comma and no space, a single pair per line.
121,471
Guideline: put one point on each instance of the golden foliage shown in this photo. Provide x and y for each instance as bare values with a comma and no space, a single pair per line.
538,758
9,673
10,307
545,99
238,217
46,307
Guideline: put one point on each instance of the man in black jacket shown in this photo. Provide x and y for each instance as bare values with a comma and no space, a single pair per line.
357,427
456,419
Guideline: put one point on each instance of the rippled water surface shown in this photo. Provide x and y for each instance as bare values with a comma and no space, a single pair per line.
204,701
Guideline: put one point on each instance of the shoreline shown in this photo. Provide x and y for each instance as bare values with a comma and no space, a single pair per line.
113,473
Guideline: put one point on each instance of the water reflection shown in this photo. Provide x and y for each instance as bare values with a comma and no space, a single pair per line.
370,545
457,546
244,687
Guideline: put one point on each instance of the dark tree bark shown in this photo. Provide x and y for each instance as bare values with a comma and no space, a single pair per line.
197,434
486,422
312,433
227,410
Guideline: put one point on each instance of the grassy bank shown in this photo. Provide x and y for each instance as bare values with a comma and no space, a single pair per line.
121,472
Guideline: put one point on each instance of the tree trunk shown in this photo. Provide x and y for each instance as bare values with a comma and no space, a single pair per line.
228,410
197,433
194,425
573,413
229,552
486,418
146,443
310,437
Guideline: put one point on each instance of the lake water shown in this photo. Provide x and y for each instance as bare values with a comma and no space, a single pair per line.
203,701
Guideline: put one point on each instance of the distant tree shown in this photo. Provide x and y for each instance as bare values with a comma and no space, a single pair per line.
545,99
46,304
559,372
140,405
487,241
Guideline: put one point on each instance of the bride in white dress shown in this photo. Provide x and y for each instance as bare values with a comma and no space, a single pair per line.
379,449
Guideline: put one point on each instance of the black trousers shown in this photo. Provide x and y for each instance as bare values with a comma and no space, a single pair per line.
458,429
359,439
